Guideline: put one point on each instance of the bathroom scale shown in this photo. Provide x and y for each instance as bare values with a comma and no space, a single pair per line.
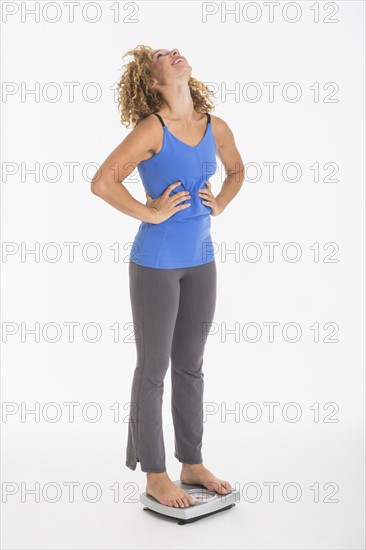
207,503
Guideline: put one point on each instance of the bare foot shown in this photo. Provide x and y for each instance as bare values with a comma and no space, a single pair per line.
197,474
161,487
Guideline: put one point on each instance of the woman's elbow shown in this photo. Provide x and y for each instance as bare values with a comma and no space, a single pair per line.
96,186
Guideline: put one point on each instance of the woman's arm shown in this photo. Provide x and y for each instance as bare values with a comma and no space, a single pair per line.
107,184
231,159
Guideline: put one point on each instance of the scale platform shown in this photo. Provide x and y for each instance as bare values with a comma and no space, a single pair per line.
207,503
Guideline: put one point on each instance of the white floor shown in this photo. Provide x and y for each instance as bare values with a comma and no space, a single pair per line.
256,457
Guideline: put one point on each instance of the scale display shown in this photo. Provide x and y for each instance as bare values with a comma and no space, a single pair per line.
202,495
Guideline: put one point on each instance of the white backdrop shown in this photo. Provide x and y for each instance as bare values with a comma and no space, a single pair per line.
291,88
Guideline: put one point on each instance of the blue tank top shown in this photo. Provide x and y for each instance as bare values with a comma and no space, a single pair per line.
184,239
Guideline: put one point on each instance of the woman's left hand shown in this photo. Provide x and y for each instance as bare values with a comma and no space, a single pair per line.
209,199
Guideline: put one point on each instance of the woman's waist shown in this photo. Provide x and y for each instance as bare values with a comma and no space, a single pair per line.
196,222
175,236
196,210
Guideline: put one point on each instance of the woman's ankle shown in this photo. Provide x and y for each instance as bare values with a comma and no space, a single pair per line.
153,475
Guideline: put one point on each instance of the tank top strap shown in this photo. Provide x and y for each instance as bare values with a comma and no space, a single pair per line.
159,117
163,124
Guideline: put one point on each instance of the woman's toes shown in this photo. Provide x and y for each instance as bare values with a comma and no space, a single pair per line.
226,485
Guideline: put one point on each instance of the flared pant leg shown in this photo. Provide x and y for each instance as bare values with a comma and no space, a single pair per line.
194,321
154,300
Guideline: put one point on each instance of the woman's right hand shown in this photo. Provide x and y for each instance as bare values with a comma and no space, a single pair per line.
163,207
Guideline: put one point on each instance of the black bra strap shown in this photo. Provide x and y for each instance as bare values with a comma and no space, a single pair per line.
159,117
208,118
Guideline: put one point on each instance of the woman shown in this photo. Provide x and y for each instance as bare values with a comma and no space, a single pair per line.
172,269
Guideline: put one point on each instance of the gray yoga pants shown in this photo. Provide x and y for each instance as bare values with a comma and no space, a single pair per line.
172,311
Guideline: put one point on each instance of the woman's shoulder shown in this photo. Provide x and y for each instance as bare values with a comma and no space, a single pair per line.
219,122
220,129
148,120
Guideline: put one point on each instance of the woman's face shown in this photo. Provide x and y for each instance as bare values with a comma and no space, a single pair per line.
168,65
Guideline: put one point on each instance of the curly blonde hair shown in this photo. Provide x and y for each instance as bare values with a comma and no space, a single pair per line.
136,98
